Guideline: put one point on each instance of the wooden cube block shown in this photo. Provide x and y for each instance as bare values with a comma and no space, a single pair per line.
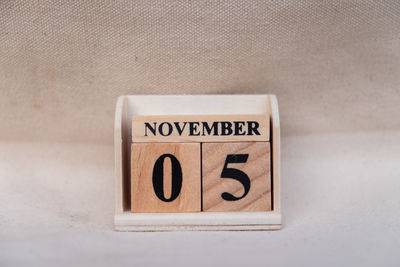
236,176
165,177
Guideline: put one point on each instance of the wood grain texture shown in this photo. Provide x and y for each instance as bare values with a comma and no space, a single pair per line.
257,168
200,128
143,196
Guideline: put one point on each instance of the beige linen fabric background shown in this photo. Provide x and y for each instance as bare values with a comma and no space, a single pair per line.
334,66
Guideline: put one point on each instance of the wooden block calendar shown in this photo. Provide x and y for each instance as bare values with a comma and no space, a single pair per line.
199,162
213,162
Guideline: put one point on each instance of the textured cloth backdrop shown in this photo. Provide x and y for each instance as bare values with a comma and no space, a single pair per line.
334,65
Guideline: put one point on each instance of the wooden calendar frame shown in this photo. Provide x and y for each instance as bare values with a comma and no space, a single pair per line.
130,105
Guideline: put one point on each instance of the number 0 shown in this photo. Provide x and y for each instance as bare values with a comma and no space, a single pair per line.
158,178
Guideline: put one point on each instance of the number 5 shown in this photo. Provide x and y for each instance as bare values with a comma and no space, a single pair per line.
235,174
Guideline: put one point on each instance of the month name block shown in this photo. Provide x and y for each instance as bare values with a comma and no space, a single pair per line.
200,128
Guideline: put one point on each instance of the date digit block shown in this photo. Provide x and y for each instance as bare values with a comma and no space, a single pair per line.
236,176
165,177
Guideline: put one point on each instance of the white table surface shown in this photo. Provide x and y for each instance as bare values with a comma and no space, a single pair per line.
340,201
